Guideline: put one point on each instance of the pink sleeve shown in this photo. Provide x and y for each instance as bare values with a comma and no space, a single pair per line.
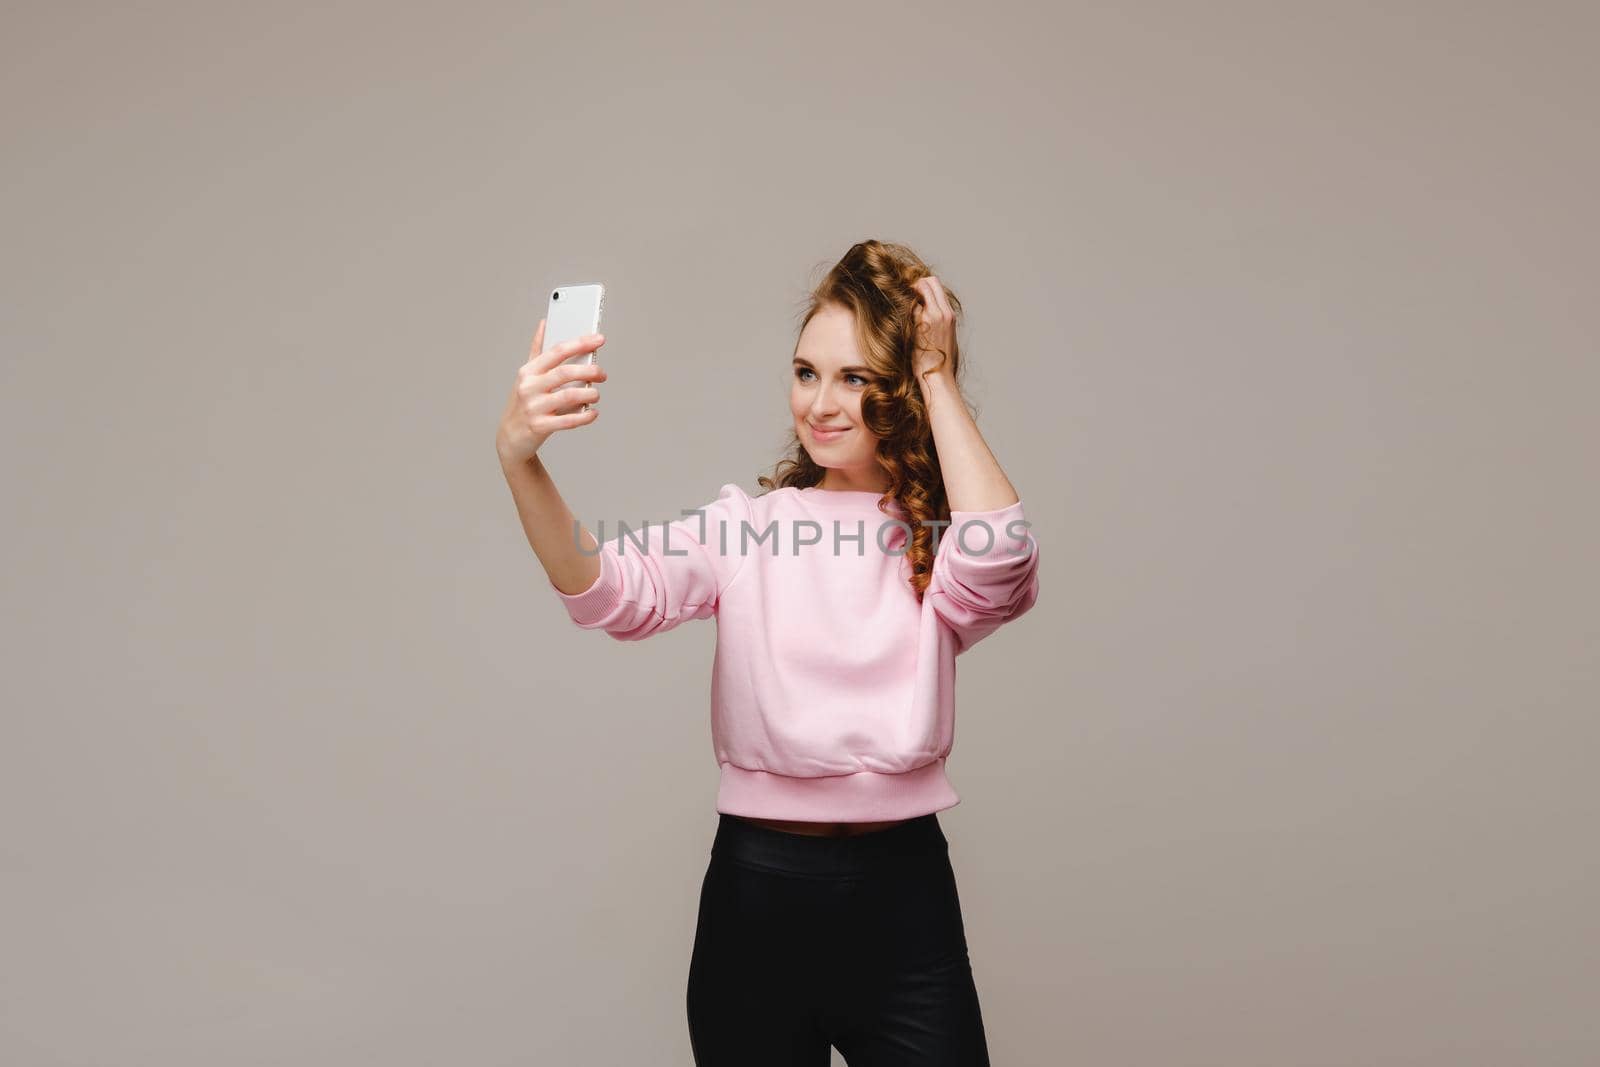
985,571
663,574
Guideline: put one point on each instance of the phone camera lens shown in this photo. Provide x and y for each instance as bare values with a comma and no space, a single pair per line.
555,296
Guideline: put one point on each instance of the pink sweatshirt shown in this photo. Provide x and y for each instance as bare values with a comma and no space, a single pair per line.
832,689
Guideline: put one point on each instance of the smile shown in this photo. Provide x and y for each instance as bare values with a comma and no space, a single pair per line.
827,435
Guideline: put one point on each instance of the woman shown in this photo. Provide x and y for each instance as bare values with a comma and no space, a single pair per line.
828,913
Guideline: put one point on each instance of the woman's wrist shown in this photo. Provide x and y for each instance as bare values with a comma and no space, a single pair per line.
510,460
938,388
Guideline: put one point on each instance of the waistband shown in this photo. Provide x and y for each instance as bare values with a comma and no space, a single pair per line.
865,796
793,853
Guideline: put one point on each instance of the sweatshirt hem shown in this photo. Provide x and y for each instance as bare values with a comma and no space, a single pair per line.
864,796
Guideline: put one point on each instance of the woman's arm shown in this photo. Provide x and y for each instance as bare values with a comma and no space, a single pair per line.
977,589
973,480
535,410
548,522
647,582
980,579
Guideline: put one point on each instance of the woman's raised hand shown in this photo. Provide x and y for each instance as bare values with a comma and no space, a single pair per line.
539,406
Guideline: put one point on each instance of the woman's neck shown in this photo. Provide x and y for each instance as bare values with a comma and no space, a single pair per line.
846,485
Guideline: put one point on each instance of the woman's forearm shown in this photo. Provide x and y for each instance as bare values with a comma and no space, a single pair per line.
548,523
973,480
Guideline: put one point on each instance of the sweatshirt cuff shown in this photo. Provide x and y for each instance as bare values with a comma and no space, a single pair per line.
596,603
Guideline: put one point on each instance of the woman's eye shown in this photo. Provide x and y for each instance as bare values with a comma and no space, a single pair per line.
801,372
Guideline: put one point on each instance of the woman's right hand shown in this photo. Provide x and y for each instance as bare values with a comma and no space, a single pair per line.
538,408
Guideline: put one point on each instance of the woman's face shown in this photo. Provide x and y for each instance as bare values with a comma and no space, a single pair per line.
825,395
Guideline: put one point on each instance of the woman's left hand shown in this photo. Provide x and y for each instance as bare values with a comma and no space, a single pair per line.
936,329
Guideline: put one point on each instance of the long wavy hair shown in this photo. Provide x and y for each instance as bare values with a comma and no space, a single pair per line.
874,280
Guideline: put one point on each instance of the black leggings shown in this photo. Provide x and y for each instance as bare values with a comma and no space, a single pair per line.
855,942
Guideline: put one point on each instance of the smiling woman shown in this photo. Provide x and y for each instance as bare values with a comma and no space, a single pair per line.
825,400
829,912
864,418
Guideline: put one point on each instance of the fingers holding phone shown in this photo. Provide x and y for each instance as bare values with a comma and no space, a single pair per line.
551,388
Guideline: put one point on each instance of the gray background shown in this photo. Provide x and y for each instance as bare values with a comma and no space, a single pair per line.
1281,319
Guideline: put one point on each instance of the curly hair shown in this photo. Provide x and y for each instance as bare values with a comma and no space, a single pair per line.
875,280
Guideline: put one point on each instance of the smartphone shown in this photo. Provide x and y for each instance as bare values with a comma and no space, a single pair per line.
573,312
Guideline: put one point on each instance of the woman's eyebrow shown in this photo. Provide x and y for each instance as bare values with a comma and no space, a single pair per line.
842,370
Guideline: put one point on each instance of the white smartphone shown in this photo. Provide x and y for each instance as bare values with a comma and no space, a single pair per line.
573,312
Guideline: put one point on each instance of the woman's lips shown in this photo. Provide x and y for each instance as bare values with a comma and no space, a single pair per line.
828,435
